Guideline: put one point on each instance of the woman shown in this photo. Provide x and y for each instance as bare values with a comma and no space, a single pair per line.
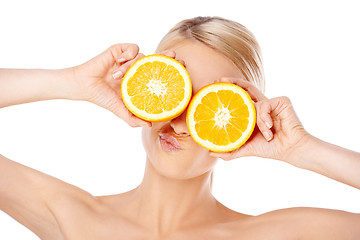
174,200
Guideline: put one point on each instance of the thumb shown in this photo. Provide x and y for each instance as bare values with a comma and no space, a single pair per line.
245,150
227,156
117,106
108,99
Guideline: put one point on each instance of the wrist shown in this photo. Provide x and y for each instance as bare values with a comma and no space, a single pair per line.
300,155
70,86
19,86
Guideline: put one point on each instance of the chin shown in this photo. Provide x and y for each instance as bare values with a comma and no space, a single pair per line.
181,166
187,163
175,165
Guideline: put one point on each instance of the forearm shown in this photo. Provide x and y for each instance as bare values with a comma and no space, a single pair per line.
329,160
29,85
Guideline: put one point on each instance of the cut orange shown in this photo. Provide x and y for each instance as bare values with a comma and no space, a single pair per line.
221,117
156,88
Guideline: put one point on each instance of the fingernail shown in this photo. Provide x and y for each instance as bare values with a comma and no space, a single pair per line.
268,124
267,136
120,60
117,74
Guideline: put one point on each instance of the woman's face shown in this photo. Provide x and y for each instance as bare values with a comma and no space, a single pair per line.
204,65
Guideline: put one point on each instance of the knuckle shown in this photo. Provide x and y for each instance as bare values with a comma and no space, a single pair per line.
114,46
263,115
261,104
171,53
285,99
258,108
134,47
130,50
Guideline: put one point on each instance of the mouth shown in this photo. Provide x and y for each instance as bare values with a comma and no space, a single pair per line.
169,143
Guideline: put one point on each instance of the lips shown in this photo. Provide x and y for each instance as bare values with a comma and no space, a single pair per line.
171,140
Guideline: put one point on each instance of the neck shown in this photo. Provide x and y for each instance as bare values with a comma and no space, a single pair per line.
164,204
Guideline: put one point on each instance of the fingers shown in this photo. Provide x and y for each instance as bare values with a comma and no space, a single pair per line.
130,55
116,106
182,62
242,151
255,94
123,52
265,109
120,72
169,53
264,121
226,156
106,97
172,54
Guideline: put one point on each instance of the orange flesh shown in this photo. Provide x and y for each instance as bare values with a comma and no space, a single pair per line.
235,117
168,90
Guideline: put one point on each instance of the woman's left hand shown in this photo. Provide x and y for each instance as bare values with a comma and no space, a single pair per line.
278,130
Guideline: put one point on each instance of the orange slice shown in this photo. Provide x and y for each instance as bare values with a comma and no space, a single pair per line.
221,117
156,88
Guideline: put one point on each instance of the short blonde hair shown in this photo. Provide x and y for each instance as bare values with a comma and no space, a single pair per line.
230,38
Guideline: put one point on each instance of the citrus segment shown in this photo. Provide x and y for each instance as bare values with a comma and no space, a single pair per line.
218,136
241,111
156,88
204,127
233,132
203,113
211,100
225,97
221,117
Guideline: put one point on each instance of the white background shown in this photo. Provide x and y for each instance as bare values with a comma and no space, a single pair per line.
311,54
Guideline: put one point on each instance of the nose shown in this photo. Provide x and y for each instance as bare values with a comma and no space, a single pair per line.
179,125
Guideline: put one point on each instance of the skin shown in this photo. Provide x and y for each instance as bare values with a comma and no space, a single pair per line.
174,200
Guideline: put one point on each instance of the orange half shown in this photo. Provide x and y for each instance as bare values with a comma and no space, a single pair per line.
156,88
221,117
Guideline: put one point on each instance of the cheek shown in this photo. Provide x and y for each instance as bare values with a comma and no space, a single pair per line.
144,137
201,162
148,140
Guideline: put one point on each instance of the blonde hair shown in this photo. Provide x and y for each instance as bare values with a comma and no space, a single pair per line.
230,38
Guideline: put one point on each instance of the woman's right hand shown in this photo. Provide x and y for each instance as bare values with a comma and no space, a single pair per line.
98,80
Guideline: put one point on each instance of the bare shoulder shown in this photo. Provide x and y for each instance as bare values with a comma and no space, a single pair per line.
75,211
302,223
36,200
